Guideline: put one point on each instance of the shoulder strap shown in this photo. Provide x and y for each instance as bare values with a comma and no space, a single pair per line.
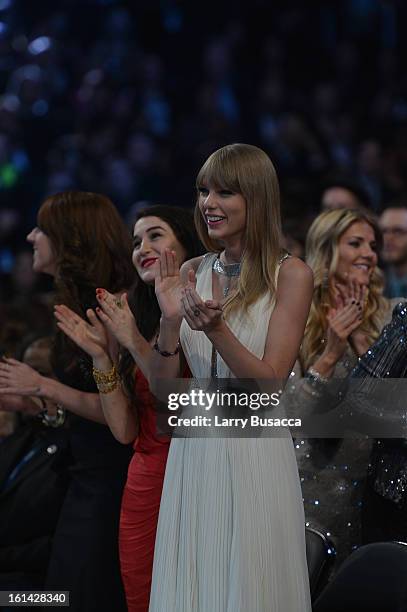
284,257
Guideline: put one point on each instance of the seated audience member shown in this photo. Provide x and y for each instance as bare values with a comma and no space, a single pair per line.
33,484
343,193
347,315
393,223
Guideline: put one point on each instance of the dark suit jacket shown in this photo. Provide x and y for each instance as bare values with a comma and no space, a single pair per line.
30,505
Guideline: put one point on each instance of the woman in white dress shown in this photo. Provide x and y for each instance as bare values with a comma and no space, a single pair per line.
231,527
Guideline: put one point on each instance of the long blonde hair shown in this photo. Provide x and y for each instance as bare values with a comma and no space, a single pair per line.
247,170
322,256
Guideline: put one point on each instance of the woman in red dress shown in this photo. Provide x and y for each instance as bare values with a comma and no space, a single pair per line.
130,413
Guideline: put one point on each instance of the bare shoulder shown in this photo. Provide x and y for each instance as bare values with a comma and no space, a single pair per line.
191,264
294,272
293,269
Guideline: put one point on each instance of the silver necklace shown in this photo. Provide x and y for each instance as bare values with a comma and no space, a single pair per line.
228,270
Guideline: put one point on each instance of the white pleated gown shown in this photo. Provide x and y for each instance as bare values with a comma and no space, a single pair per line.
230,534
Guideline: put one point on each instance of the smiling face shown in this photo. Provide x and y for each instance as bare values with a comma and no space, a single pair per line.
357,257
44,256
224,213
150,237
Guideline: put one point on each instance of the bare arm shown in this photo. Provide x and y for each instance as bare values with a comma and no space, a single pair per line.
284,334
285,330
168,286
118,319
114,407
117,410
86,405
18,378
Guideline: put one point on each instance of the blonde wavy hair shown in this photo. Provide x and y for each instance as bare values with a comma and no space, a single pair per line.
247,170
322,256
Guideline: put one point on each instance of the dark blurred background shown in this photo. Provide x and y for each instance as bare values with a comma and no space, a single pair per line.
128,99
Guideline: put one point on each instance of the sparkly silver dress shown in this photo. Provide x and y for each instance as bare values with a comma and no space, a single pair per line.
384,514
333,473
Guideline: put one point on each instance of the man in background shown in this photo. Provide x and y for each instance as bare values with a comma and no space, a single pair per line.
344,193
393,223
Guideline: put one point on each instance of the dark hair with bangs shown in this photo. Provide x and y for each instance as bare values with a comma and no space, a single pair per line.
142,299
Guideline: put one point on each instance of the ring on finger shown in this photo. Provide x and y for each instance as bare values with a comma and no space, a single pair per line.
118,303
196,312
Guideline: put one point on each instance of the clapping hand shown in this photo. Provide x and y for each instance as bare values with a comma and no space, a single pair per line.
168,287
19,378
117,317
200,315
178,299
90,337
345,318
358,293
352,293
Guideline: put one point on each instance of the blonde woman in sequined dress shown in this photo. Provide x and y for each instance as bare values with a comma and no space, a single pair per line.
347,314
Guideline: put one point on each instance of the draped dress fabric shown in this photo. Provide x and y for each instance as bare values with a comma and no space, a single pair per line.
231,526
141,502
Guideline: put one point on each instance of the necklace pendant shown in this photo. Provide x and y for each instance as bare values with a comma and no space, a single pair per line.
226,287
228,270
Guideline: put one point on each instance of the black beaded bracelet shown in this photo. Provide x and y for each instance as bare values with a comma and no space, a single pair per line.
165,353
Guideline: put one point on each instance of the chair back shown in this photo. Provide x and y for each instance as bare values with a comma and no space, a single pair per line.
372,579
320,556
